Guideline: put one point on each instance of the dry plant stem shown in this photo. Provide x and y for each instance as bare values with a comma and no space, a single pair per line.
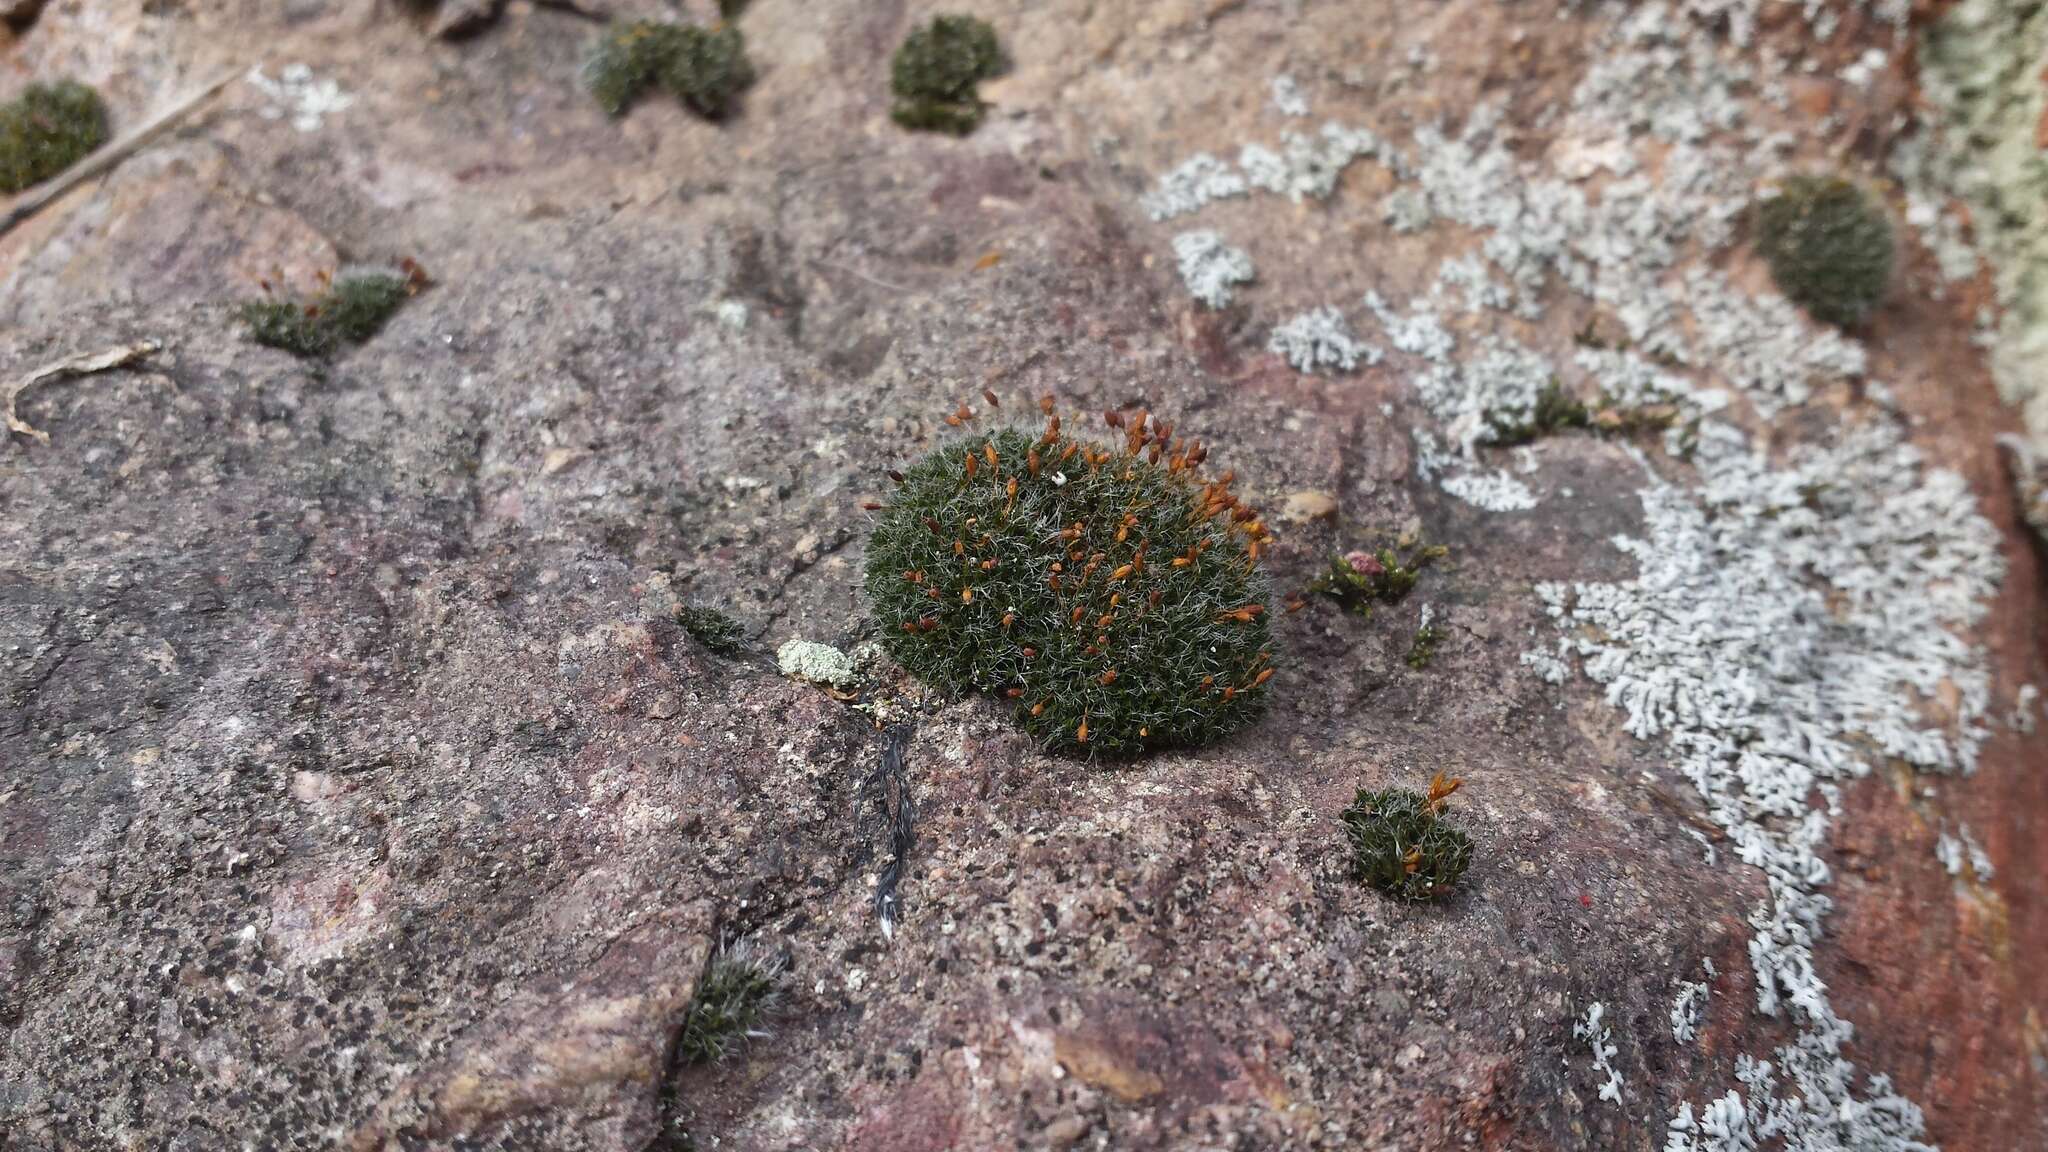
105,159
84,364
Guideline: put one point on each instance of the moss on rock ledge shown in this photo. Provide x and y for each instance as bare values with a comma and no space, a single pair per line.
47,129
936,73
1829,246
1110,594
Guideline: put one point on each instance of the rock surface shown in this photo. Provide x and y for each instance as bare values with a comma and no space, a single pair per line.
358,790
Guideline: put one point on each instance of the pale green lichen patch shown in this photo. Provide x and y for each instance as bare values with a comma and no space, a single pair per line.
817,663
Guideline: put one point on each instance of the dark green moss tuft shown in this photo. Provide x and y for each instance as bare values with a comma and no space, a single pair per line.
357,306
1107,592
1422,649
1555,411
713,629
740,988
284,324
352,311
705,68
1829,245
1358,580
936,73
1402,845
47,129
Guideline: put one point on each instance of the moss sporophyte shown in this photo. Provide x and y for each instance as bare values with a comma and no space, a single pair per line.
1108,591
1402,845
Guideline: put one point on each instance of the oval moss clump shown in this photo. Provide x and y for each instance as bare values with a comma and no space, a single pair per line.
1107,591
1829,246
937,72
47,129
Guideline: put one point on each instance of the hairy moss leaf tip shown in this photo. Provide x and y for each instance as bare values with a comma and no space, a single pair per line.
1402,845
1107,591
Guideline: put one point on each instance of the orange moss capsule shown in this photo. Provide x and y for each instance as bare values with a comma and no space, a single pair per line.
1264,675
990,396
1045,403
1208,682
1122,572
1030,653
1081,733
1113,418
1038,709
972,464
1008,618
1108,677
967,595
988,449
870,506
1229,693
1014,693
1103,620
1031,462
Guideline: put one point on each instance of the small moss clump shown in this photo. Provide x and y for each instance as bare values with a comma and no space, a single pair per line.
352,311
47,129
705,68
936,72
740,989
1422,649
1402,845
1358,580
1555,411
713,629
1829,246
1108,592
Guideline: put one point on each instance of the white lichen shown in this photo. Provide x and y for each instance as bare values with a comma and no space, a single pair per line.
297,95
1320,338
1598,1037
1200,179
1687,1007
817,663
1961,849
1209,267
1288,99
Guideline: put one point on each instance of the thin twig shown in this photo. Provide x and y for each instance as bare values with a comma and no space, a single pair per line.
852,271
106,158
83,364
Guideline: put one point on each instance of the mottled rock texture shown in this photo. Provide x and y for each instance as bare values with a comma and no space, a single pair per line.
357,788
